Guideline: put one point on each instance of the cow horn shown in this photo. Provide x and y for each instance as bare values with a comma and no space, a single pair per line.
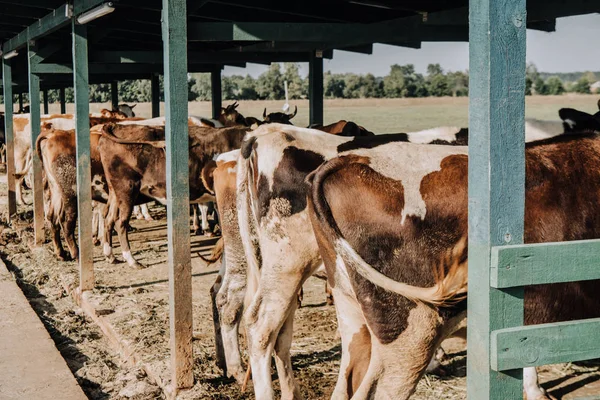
133,106
295,112
265,113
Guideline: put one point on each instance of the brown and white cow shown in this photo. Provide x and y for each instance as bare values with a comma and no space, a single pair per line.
134,164
394,303
280,246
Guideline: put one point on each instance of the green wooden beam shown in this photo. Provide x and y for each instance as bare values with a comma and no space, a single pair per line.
496,182
535,345
178,198
45,93
63,100
7,88
114,94
82,135
216,92
541,263
140,70
315,89
36,165
155,89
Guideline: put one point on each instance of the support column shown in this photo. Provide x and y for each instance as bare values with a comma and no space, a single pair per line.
114,94
45,92
21,101
8,129
315,89
216,91
496,182
36,165
63,100
155,89
174,31
82,135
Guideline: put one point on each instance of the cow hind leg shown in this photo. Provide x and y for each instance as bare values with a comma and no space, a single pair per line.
531,385
70,222
59,251
204,213
121,224
110,215
145,212
283,358
219,349
196,221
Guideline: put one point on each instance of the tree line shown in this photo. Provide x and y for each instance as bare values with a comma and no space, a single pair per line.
402,81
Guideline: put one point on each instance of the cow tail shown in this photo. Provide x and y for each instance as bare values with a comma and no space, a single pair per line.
450,287
216,254
247,217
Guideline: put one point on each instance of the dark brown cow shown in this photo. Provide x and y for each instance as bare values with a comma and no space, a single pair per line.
279,117
396,303
343,128
134,160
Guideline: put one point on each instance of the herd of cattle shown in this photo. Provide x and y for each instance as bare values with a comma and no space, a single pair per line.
291,204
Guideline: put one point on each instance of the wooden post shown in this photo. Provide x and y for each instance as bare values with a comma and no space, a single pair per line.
315,88
21,101
63,101
496,182
155,89
216,91
82,135
34,120
174,31
8,129
114,94
45,92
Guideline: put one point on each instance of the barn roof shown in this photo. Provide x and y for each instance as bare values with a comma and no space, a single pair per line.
128,41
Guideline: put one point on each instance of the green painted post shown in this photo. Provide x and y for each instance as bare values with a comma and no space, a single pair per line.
82,139
216,91
315,89
8,129
34,119
496,182
20,101
45,92
174,32
63,100
114,94
155,89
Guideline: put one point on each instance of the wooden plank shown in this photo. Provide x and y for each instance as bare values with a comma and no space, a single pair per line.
178,220
315,89
155,89
63,100
36,165
82,140
530,346
496,182
534,264
114,94
216,92
8,129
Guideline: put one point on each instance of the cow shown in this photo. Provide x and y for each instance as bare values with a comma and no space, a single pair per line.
134,165
126,109
280,247
385,265
279,117
343,128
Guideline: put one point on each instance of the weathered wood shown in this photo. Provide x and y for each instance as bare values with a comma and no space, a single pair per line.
155,89
8,129
45,93
216,92
315,88
174,31
114,94
534,264
496,182
63,100
544,344
82,135
36,165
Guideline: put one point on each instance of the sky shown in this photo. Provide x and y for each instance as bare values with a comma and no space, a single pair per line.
571,48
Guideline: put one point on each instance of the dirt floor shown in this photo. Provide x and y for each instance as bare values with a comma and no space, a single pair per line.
135,302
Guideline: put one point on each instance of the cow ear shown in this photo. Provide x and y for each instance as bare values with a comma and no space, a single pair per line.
47,126
207,176
578,121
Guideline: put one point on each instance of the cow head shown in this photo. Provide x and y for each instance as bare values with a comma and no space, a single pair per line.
579,121
230,116
279,117
126,110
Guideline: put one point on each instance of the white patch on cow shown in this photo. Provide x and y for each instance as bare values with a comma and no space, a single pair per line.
62,124
129,258
197,120
531,384
228,156
570,122
107,249
536,129
447,133
158,121
417,161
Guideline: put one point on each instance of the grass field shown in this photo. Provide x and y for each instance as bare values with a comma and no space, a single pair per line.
386,115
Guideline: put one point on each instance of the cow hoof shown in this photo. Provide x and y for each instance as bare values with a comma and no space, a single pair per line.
139,216
97,242
148,218
62,256
137,265
330,301
208,234
239,377
111,259
198,232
